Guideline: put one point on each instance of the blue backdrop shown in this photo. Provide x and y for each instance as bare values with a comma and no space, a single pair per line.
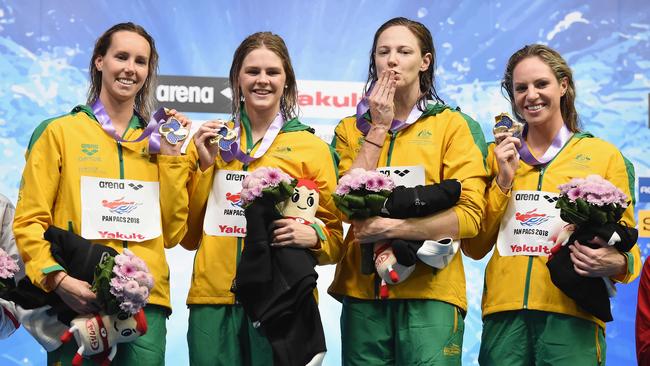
45,48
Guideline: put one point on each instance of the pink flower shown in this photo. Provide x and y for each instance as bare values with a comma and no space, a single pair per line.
8,266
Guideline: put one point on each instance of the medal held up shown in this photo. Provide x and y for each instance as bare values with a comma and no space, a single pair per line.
225,138
172,130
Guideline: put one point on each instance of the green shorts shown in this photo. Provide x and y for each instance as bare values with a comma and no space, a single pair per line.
401,332
529,337
148,350
223,335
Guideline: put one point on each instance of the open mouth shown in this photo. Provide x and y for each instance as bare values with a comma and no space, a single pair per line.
125,81
535,107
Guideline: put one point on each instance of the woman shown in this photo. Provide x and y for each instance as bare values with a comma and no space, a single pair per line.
268,134
97,151
530,321
416,142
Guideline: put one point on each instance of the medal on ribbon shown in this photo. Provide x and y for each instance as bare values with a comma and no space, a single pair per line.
172,130
505,123
224,139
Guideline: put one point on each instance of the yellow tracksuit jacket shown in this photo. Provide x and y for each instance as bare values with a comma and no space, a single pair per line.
60,152
449,145
523,282
295,150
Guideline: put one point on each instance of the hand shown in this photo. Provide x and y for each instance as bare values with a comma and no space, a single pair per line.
507,159
382,108
175,150
291,233
207,153
75,293
372,229
602,262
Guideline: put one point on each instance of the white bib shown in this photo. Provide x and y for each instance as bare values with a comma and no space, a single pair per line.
528,223
407,176
120,209
224,215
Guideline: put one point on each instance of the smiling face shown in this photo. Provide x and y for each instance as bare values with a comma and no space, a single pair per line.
398,50
261,80
124,68
537,93
303,202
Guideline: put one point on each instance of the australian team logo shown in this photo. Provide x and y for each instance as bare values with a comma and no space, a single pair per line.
531,218
120,206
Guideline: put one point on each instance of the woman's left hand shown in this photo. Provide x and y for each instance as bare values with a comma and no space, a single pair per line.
602,262
175,150
291,233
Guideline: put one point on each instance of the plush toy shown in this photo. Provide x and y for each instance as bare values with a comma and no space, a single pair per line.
98,334
590,293
394,261
275,285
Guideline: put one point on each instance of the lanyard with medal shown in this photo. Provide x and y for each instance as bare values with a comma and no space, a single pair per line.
160,124
228,139
223,205
530,215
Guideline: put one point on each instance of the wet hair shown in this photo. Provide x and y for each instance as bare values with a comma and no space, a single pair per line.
560,69
144,99
425,41
275,44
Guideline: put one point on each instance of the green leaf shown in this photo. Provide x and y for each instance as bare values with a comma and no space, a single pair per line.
354,201
375,202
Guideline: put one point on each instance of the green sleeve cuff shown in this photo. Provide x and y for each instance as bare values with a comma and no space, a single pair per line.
319,231
53,268
630,263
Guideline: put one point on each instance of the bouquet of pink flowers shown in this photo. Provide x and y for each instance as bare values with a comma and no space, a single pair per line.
361,193
123,283
8,268
592,200
594,207
268,183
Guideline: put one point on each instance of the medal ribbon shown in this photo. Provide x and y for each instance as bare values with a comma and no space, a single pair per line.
107,125
560,139
270,135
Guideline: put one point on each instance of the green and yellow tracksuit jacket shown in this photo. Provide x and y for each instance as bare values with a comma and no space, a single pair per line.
524,282
296,151
60,152
449,145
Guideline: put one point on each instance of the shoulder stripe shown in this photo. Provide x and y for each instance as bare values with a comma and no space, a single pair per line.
477,135
630,177
38,131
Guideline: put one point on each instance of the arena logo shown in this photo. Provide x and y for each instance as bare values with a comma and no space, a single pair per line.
185,94
192,93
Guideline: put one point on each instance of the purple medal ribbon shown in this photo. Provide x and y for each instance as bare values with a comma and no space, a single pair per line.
150,131
364,125
560,139
267,140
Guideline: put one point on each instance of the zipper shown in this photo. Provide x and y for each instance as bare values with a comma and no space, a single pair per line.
530,258
393,136
120,156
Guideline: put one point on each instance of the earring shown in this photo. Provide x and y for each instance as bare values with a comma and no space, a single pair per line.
286,86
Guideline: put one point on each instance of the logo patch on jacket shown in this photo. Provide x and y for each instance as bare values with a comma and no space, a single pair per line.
582,161
89,149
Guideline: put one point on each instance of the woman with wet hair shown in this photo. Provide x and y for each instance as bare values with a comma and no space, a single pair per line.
72,160
267,133
404,129
527,320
